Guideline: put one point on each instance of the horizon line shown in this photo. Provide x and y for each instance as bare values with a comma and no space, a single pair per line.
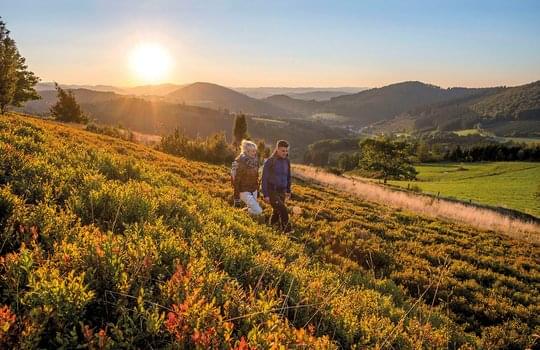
366,87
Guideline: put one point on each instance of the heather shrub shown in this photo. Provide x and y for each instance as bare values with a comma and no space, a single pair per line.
62,299
107,244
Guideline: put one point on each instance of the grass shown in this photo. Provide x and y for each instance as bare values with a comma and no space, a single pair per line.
329,117
480,218
513,185
467,132
527,140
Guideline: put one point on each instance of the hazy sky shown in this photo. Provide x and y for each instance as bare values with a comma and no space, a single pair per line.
283,43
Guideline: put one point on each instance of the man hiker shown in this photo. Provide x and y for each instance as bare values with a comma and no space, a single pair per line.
276,184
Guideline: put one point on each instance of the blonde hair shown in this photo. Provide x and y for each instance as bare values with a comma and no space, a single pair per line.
247,145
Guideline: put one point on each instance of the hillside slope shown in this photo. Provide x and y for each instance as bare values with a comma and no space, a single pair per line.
109,242
386,102
299,106
49,97
519,102
502,111
219,97
161,118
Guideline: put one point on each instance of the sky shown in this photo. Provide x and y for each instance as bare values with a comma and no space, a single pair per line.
472,43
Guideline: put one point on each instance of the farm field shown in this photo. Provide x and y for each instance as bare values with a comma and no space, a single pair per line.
107,243
513,185
527,140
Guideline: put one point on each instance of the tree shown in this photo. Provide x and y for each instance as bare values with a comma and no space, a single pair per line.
16,82
347,162
239,129
422,152
390,158
66,108
264,151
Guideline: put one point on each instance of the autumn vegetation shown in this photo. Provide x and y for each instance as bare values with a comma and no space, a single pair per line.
109,244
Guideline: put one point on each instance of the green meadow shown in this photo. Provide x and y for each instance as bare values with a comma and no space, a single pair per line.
514,185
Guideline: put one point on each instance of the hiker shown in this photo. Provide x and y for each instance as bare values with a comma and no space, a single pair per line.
276,184
245,177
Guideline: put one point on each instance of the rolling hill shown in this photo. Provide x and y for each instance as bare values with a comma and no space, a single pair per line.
407,106
142,90
307,93
49,98
219,97
379,104
384,103
301,107
321,95
161,118
518,103
109,242
501,111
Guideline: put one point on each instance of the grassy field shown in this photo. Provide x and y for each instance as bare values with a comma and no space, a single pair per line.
109,244
467,132
513,185
527,140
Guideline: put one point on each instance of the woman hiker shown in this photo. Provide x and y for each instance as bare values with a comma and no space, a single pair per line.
246,179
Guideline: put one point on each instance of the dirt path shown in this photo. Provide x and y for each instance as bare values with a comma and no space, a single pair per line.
484,219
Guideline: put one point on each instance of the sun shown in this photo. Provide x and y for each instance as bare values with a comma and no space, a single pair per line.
150,62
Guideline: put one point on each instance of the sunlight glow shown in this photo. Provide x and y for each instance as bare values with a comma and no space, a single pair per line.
150,62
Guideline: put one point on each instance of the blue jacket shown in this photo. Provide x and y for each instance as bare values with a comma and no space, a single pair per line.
278,178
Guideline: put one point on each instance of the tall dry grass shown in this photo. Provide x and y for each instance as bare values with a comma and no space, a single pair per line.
481,218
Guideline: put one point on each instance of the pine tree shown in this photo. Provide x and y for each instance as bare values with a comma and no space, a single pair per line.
67,109
16,82
239,129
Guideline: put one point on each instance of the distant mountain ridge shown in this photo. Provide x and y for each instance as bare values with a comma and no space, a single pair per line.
219,97
412,105
142,90
386,102
161,117
297,92
49,97
513,111
518,102
319,95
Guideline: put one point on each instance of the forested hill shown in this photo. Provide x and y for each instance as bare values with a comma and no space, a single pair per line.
520,102
379,104
386,102
502,111
108,242
220,97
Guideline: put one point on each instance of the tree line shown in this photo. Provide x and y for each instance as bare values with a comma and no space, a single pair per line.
494,152
393,157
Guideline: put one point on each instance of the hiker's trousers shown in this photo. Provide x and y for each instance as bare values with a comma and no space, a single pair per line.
279,215
250,198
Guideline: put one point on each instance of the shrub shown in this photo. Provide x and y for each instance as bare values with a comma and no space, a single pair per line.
214,149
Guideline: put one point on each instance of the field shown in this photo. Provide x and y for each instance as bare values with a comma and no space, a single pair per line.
329,117
109,244
527,140
466,132
513,185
